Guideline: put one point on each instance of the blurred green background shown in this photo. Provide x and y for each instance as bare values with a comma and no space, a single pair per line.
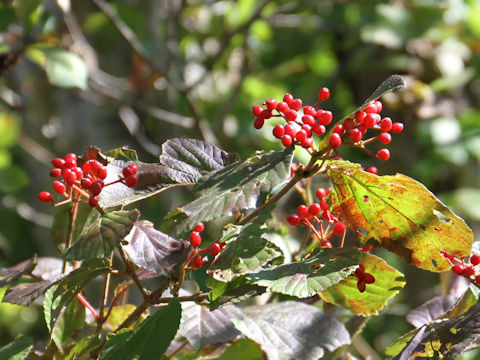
137,72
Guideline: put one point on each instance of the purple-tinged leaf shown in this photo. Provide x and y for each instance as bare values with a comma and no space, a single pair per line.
292,330
153,250
26,293
103,235
13,274
49,268
431,310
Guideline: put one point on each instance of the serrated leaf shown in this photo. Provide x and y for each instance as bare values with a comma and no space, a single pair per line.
324,268
119,314
232,292
13,274
103,235
392,83
292,330
447,339
65,69
18,349
399,213
191,159
71,321
26,293
80,350
388,282
246,251
431,310
68,287
202,327
237,187
153,250
61,222
150,340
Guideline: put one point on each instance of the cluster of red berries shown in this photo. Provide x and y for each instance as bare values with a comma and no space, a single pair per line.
309,216
464,269
300,128
196,260
86,182
363,277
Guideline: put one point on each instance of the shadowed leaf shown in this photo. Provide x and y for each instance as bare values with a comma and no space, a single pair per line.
13,274
26,293
103,235
18,349
400,214
431,310
61,222
232,292
292,330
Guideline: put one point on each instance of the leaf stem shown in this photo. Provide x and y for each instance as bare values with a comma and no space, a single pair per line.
87,305
71,227
103,303
133,274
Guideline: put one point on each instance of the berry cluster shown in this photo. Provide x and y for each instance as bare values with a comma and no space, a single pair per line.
363,277
309,216
303,122
462,268
76,183
196,260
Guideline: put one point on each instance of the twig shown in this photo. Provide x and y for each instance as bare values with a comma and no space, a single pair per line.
132,273
71,226
103,301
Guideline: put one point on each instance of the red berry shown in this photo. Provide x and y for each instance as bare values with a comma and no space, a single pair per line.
54,173
469,271
195,239
458,269
271,104
372,170
318,129
327,215
93,201
310,110
70,156
265,114
59,187
323,204
307,143
70,162
290,130
302,211
475,259
215,249
321,193
78,172
335,140
296,104
199,228
258,123
386,124
301,135
383,154
282,107
369,120
360,115
397,127
278,131
293,219
308,119
291,115
96,187
127,171
87,167
339,228
256,110
45,196
307,128
368,278
325,118
314,209
371,108
362,128
197,262
361,286
100,172
339,129
86,183
348,124
477,279
70,177
58,162
131,181
326,244
385,137
379,105
287,140
356,135
288,98
323,93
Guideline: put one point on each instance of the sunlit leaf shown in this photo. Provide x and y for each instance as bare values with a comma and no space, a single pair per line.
400,214
388,282
292,330
324,268
103,235
150,340
233,292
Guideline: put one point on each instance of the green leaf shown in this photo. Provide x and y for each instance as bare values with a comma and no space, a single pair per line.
7,16
232,292
81,349
65,69
103,235
292,330
237,187
242,349
12,179
68,288
119,314
388,282
247,250
324,268
13,274
400,214
18,349
61,222
30,12
123,153
150,340
202,327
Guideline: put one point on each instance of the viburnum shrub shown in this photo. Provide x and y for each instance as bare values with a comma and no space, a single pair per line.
146,295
